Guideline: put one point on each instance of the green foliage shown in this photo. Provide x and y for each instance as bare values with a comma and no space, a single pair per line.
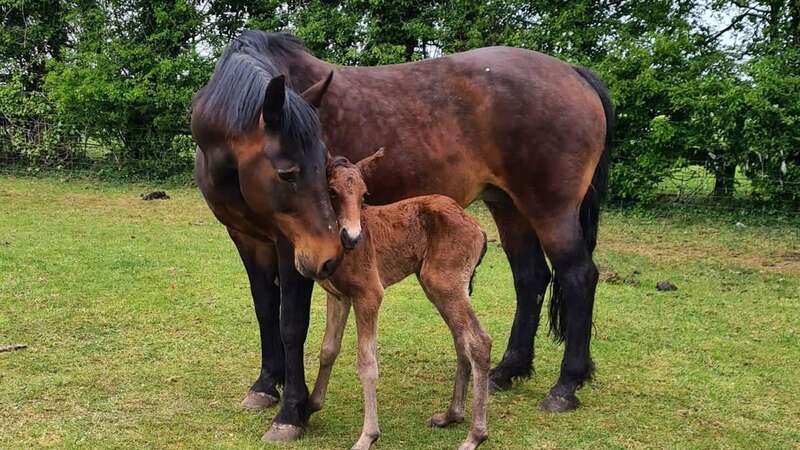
772,125
30,132
129,82
120,74
645,74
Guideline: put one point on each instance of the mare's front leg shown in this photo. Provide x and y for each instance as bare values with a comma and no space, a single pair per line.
261,262
335,323
294,317
366,311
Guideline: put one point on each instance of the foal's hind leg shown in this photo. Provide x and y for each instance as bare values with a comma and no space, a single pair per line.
455,412
337,312
449,293
366,312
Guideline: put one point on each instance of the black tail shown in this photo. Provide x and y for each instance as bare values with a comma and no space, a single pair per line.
475,269
590,207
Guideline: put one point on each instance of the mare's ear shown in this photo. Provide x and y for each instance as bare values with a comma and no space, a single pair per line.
274,98
368,164
314,94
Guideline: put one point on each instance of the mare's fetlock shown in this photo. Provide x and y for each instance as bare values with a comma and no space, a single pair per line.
513,366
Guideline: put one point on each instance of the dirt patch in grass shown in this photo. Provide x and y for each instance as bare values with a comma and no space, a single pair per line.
784,262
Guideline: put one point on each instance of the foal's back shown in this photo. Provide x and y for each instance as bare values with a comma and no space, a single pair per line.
412,234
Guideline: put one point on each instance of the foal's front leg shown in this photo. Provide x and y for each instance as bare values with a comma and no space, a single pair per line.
366,311
337,311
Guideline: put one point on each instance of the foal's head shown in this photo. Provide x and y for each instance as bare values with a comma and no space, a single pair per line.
348,190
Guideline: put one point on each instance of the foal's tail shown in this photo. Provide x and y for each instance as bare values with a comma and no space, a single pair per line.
480,258
590,206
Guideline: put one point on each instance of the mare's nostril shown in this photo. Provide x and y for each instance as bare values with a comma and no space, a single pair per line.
327,269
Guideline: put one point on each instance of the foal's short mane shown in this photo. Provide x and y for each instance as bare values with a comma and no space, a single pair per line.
339,161
233,98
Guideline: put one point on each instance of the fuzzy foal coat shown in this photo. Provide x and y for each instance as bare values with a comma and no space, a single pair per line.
432,237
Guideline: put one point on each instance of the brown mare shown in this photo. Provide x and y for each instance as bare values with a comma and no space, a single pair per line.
522,131
430,236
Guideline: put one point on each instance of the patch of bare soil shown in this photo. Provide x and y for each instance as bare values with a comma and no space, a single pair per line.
786,262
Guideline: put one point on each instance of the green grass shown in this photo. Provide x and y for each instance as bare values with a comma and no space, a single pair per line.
141,334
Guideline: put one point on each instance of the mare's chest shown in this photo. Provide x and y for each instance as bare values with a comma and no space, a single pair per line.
223,196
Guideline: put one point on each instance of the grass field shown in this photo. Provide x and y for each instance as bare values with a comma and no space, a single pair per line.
140,333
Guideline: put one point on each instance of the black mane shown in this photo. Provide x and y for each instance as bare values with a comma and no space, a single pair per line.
232,99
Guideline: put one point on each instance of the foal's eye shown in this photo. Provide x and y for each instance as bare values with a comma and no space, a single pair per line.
333,194
289,175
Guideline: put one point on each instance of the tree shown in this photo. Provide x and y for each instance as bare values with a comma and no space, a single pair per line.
130,78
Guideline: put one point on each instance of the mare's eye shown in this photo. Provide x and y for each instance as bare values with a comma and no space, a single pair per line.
289,175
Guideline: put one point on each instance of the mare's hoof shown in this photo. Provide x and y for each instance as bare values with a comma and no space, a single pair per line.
259,400
442,420
559,403
499,380
499,384
282,432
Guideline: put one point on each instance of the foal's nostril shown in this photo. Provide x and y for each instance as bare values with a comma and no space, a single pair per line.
327,269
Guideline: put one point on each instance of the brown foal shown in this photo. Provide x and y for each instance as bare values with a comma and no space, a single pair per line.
430,236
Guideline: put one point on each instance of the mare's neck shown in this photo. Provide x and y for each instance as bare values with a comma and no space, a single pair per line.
305,70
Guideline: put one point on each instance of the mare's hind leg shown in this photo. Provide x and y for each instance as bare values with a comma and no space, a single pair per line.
448,290
337,312
576,280
531,277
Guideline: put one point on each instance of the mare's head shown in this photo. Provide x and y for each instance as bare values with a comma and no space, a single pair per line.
347,191
258,135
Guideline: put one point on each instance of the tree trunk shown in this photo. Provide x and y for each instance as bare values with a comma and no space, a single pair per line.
724,180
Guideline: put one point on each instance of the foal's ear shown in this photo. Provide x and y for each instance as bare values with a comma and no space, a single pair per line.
314,94
274,98
368,164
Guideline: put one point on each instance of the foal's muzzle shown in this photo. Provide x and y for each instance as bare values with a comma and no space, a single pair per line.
349,242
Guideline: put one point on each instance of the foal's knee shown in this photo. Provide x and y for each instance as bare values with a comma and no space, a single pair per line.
328,354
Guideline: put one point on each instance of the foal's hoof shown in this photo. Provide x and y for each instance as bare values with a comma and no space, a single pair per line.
558,403
442,420
259,400
365,441
282,432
